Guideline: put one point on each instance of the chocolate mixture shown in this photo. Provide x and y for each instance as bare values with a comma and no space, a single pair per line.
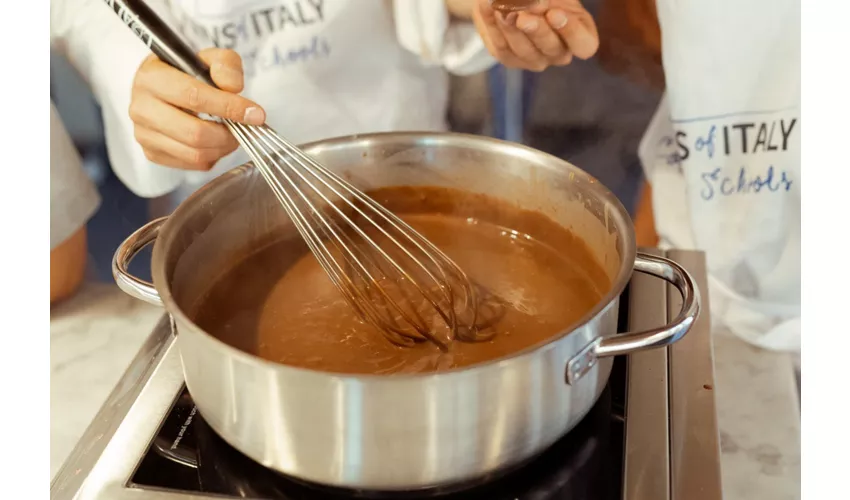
279,304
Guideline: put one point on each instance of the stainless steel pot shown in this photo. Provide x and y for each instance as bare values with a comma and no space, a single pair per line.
409,431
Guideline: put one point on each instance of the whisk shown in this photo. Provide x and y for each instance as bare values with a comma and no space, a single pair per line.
391,275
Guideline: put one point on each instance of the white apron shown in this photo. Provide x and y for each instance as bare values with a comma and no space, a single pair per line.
722,155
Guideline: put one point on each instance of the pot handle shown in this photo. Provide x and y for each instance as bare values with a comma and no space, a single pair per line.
629,343
125,253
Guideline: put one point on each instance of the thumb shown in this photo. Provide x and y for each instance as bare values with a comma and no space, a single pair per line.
575,26
225,68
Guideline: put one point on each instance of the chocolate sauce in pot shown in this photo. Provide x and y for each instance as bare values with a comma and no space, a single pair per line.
279,304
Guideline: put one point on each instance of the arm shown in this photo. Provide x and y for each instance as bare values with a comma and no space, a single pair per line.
73,201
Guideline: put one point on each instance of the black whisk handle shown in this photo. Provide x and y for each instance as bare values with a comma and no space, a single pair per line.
160,38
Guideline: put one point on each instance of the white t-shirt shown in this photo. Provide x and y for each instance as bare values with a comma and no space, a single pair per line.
320,68
723,156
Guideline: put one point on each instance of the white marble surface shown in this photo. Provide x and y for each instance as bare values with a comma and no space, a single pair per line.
759,418
95,335
93,338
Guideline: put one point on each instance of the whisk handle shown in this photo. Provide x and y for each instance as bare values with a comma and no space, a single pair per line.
160,38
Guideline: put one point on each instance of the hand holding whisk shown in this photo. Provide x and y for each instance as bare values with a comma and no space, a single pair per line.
390,274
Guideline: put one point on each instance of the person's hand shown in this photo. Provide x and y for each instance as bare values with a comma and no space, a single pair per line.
165,99
547,34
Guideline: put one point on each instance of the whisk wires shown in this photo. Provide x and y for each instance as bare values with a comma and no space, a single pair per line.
391,275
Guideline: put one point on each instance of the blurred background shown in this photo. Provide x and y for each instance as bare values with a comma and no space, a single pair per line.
590,113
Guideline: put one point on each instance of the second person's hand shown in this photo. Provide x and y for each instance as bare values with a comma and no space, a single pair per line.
164,103
548,34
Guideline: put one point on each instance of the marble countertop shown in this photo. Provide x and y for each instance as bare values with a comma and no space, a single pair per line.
758,412
94,336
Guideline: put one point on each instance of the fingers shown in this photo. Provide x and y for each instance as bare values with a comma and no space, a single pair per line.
576,28
166,151
484,18
167,160
225,68
181,90
519,43
149,112
173,137
544,38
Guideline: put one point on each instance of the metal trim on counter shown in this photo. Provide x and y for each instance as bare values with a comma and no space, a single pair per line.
646,465
695,470
110,449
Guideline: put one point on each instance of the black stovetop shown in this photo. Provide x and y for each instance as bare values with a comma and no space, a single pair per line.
587,463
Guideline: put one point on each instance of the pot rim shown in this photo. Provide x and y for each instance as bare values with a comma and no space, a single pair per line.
619,284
